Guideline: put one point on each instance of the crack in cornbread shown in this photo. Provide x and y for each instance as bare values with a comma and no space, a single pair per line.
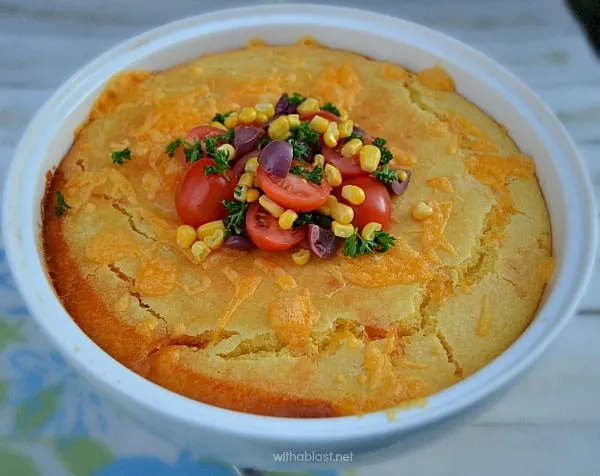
254,332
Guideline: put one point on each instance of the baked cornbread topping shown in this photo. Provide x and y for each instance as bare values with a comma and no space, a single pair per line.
227,280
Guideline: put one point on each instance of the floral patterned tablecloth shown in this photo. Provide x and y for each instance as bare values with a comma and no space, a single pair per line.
52,422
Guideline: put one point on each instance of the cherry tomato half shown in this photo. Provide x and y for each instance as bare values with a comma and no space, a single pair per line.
200,133
377,205
293,191
198,196
324,114
264,231
348,167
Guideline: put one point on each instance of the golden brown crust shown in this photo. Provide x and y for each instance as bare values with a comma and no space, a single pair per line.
256,333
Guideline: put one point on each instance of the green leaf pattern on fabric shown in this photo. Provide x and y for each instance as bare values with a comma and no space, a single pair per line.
34,412
15,464
83,456
9,334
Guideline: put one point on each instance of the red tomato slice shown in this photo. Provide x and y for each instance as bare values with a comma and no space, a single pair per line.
200,133
324,114
377,205
293,191
198,196
348,167
263,229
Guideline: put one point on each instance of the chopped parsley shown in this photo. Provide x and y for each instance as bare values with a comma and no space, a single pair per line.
61,205
315,175
211,145
193,151
331,108
385,175
313,218
173,146
354,135
226,137
304,140
221,166
386,155
264,140
118,156
356,245
295,98
235,223
221,116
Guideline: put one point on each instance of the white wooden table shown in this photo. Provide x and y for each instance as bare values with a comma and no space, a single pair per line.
546,424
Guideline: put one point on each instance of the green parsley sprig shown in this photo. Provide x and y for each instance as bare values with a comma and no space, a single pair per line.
306,218
356,245
173,146
385,174
303,139
221,158
354,135
61,205
315,175
221,116
118,156
331,108
295,98
386,155
235,222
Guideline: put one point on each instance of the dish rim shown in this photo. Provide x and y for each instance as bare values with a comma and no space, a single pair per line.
101,368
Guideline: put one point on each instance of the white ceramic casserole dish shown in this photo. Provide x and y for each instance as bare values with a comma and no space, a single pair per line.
250,440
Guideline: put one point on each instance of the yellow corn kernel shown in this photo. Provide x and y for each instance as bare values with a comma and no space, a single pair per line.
215,240
351,148
309,105
369,158
247,115
218,125
319,124
270,206
229,149
231,120
343,115
200,250
294,120
247,179
261,118
287,219
185,236
368,232
342,213
240,193
333,175
279,129
355,195
327,207
266,109
345,128
301,257
319,160
421,211
209,228
251,165
402,175
252,195
331,135
343,231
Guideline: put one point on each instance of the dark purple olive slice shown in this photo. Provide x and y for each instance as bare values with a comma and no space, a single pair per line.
238,168
244,140
398,187
322,241
239,243
358,131
283,106
276,158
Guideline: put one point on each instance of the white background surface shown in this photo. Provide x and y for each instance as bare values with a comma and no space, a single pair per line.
546,424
